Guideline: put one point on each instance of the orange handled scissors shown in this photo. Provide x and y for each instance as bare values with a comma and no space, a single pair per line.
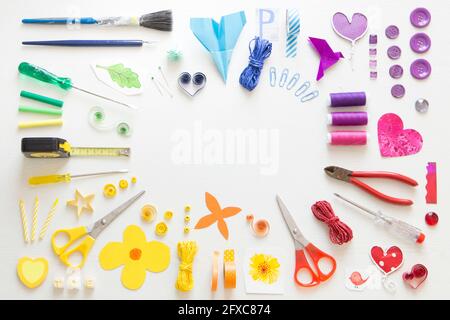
76,234
302,245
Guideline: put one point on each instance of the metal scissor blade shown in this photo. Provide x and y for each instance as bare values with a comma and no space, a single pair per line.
101,224
295,232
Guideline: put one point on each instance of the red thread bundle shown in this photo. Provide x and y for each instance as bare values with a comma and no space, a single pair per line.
339,232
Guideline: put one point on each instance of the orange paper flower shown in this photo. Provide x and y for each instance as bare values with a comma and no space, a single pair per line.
217,215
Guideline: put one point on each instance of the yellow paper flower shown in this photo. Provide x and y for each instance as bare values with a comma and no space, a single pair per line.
265,268
136,255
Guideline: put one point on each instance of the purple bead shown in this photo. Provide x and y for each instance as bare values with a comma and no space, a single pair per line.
420,17
396,71
392,32
372,51
420,42
420,69
398,91
373,75
394,52
358,118
373,39
372,64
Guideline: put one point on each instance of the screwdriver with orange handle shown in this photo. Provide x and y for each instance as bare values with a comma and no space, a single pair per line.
57,178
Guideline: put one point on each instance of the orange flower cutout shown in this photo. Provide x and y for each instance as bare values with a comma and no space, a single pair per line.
217,215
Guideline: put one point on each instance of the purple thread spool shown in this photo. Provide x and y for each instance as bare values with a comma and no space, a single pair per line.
347,99
358,118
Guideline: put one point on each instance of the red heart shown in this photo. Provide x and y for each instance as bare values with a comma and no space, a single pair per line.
394,140
387,262
416,276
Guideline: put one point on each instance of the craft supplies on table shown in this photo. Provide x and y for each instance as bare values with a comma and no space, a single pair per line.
160,20
24,220
292,32
40,123
219,38
260,227
186,252
40,110
82,239
43,75
397,227
258,54
192,84
387,262
431,186
347,138
88,43
48,220
327,56
431,218
81,202
229,269
339,232
317,273
416,276
136,255
359,118
57,178
348,99
34,220
32,272
41,98
351,177
59,148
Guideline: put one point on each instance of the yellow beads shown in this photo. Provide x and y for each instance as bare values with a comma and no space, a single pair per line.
187,208
168,215
161,229
186,229
133,180
187,218
123,184
148,212
109,191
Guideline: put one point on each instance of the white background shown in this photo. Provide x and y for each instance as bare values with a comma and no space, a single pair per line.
302,150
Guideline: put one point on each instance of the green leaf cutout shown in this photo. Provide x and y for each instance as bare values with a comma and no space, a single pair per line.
124,77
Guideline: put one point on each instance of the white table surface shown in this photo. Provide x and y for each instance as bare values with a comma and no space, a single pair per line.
298,155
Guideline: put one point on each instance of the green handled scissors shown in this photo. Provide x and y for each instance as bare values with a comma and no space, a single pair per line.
91,233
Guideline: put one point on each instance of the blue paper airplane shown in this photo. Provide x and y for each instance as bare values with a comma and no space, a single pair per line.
219,39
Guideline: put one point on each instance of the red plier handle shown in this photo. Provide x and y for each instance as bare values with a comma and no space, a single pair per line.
378,194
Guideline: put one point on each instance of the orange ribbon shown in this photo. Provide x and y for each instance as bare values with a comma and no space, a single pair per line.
215,271
229,269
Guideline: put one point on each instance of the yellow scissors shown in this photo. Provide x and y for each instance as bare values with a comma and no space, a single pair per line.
91,233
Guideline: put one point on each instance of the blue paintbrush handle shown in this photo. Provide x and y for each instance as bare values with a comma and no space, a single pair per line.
85,20
86,43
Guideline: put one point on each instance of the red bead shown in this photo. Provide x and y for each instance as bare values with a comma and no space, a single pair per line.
431,218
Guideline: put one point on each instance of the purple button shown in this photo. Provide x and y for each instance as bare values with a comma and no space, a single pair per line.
396,71
420,69
394,52
420,42
392,32
398,91
420,17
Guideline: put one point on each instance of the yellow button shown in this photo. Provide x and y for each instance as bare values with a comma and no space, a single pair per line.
168,215
109,190
187,208
187,218
133,180
186,229
148,212
161,229
123,184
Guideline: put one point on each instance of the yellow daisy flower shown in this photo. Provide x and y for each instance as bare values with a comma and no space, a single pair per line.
265,268
136,255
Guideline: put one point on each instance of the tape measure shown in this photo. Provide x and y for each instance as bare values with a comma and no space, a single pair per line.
60,148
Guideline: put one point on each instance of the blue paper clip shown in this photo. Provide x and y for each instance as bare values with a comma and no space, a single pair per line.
272,76
305,86
310,96
293,82
283,77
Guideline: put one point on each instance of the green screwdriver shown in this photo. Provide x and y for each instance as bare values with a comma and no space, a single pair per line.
64,83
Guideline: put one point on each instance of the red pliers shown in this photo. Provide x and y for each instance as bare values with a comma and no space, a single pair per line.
350,176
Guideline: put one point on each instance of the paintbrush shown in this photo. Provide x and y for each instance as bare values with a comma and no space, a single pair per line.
160,20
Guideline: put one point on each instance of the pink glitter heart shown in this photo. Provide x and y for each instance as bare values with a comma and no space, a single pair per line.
394,141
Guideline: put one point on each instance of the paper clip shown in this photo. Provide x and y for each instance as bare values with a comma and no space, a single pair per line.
305,86
293,81
272,76
283,78
310,96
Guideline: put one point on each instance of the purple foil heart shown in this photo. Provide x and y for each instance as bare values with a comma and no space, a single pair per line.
350,30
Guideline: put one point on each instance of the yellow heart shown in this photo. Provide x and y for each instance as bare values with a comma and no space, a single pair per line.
32,272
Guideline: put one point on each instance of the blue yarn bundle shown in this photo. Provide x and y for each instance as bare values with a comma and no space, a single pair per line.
261,51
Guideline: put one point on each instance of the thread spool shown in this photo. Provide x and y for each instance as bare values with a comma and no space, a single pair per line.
347,138
359,118
347,99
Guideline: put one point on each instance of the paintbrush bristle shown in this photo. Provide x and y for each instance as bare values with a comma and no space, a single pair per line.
161,20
